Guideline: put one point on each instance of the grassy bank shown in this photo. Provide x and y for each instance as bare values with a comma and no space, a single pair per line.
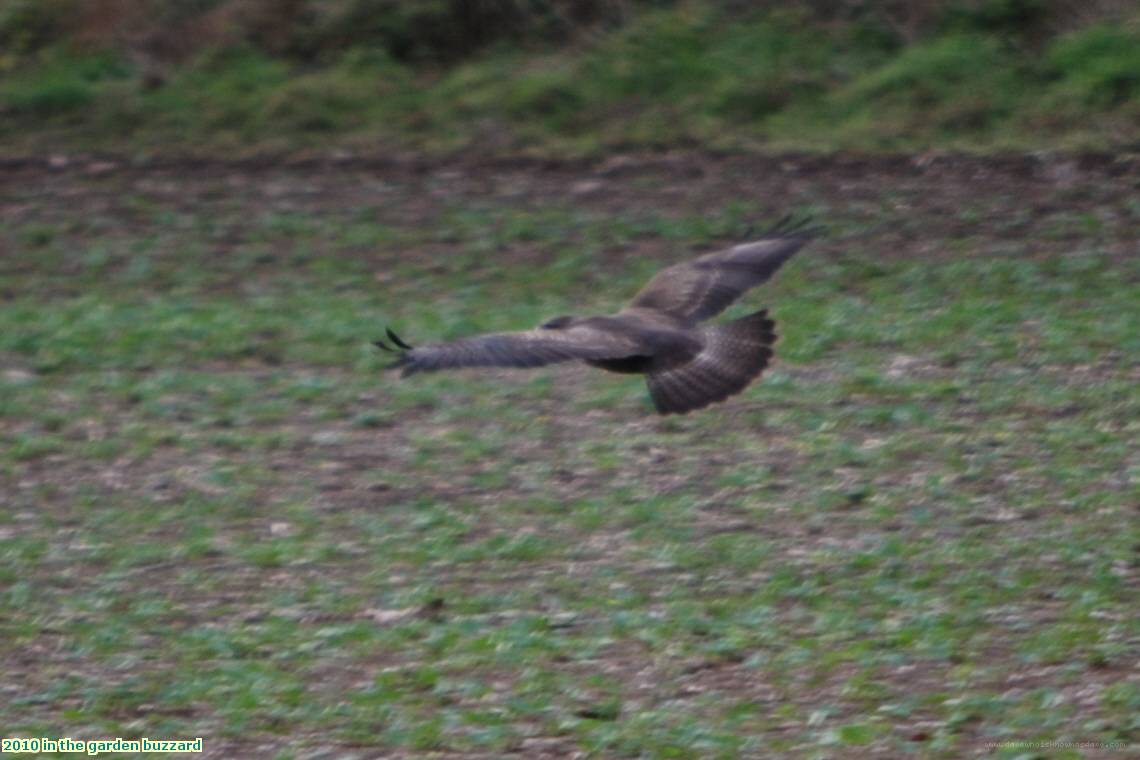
685,74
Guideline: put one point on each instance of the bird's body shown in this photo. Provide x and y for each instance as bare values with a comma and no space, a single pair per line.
687,365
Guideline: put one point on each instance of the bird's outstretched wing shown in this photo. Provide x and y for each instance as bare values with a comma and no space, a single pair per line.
698,289
529,348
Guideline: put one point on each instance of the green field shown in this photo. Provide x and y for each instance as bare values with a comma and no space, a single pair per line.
220,518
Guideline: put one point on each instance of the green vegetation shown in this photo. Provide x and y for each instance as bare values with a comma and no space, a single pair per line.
218,517
981,75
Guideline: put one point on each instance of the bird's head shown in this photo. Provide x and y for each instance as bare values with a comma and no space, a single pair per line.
558,323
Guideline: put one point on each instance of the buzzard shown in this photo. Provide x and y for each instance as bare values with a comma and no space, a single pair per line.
686,364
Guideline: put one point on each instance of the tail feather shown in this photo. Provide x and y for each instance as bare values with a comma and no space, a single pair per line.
734,354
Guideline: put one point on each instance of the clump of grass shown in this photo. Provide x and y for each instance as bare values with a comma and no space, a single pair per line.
224,94
1095,82
957,86
351,95
1098,67
58,85
1090,83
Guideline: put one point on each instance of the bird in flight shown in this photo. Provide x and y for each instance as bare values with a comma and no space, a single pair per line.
687,365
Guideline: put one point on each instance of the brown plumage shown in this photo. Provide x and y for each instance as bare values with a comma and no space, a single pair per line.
687,365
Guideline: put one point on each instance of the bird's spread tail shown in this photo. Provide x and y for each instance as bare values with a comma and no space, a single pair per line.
734,354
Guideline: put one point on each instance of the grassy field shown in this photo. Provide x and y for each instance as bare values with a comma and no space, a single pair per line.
219,518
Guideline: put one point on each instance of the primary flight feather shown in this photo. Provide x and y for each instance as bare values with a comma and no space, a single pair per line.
687,365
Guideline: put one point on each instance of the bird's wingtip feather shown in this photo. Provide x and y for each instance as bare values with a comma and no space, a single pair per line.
802,226
396,339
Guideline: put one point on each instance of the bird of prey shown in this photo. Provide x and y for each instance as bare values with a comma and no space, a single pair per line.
687,365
